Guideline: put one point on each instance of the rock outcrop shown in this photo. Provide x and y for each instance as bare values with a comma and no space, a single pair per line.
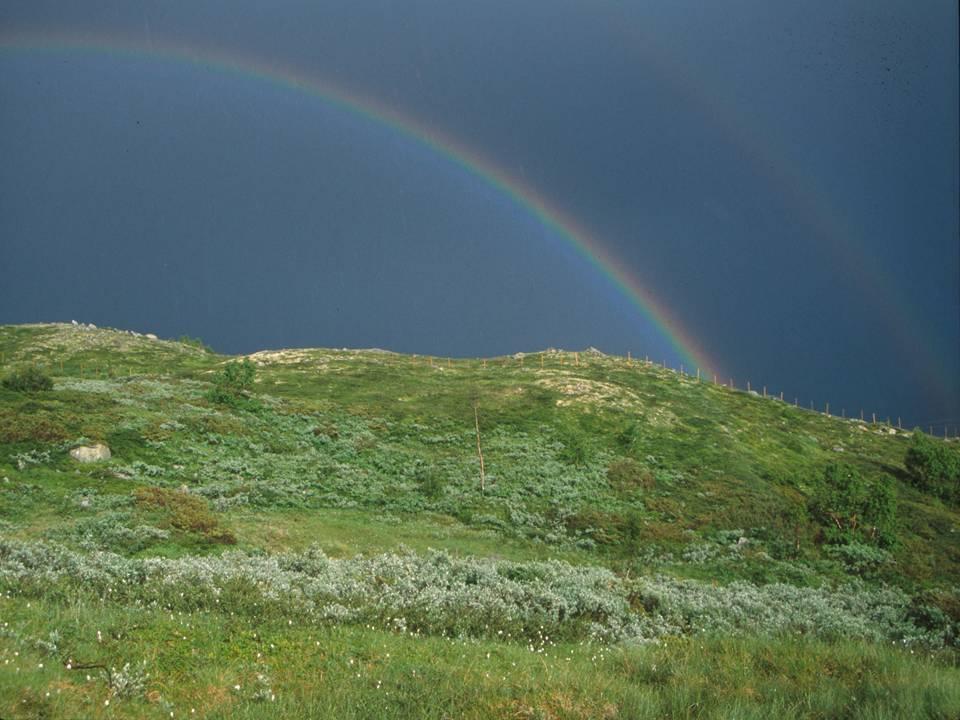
90,453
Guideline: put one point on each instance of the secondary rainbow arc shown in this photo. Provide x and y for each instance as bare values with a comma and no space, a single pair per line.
533,202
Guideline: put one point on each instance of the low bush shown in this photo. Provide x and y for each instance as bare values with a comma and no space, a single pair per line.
186,512
27,379
860,559
574,451
437,593
626,474
18,426
116,532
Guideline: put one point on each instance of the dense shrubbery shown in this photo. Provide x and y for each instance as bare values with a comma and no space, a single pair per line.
440,594
853,509
860,559
934,467
741,608
27,379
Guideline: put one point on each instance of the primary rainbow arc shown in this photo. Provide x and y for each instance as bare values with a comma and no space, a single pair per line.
551,217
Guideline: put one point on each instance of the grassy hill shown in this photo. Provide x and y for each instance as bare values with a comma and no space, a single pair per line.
642,543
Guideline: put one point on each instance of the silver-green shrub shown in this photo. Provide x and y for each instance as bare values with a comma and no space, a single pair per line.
438,593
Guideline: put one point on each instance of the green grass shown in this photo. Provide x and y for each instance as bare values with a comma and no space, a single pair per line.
346,533
605,463
196,662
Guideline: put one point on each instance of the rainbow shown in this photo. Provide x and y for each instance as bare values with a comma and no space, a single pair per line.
833,234
469,161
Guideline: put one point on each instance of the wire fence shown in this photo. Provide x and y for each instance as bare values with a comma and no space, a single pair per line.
945,428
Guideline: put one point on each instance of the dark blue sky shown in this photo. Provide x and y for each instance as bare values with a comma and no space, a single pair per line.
782,176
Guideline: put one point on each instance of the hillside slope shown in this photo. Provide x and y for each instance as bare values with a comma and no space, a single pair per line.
620,503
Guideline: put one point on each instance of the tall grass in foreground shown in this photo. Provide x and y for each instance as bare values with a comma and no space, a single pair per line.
214,665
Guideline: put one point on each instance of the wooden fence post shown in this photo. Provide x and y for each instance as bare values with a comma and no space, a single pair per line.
476,420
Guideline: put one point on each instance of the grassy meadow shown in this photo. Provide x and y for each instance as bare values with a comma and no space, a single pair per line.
317,541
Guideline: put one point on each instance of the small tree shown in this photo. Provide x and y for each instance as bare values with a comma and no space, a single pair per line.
933,467
195,342
232,382
852,508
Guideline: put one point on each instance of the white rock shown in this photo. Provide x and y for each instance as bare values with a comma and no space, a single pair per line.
90,453
151,336
74,323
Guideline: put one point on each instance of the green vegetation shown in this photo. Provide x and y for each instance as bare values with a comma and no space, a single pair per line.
194,342
934,467
185,512
302,533
853,509
232,384
27,379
